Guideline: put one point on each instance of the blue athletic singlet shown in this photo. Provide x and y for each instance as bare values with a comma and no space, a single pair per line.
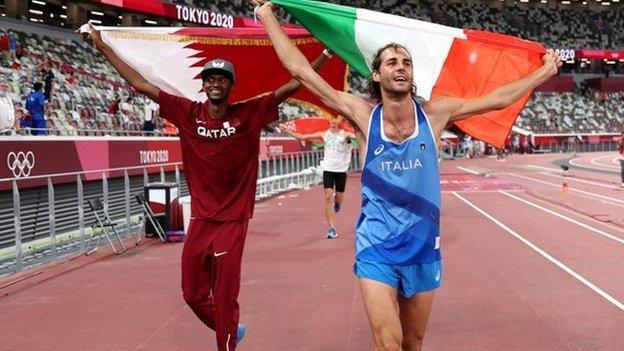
400,219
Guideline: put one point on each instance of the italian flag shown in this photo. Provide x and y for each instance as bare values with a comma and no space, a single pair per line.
447,61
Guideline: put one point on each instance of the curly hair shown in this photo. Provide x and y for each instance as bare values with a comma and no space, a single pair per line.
374,88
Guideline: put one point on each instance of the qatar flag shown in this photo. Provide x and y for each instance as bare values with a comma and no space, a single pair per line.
172,59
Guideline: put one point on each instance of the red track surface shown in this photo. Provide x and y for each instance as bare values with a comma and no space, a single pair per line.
298,291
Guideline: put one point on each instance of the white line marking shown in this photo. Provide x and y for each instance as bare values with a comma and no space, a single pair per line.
576,213
479,191
583,181
546,168
467,170
571,189
595,162
595,230
574,163
352,319
157,331
580,278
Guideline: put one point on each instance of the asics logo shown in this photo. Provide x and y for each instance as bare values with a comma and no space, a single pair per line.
379,149
21,164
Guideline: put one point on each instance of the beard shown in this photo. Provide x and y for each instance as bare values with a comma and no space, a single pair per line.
217,101
398,91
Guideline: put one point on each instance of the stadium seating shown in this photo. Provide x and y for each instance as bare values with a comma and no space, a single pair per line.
87,84
557,28
557,113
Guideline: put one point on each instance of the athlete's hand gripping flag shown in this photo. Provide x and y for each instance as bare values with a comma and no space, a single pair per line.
173,57
447,61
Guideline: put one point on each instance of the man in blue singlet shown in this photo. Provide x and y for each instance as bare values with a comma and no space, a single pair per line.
398,232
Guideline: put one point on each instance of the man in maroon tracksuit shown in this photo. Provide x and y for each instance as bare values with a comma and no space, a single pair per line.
220,145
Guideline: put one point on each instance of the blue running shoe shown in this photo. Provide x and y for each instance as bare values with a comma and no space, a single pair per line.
240,333
336,207
331,233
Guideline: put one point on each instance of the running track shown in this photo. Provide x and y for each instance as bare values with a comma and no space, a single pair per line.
527,266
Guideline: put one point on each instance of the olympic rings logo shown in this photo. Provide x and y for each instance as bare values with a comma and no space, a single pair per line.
21,164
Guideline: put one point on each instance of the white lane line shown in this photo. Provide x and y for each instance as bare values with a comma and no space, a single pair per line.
582,181
480,191
467,170
616,160
567,269
571,189
573,213
565,218
574,163
594,161
356,286
546,168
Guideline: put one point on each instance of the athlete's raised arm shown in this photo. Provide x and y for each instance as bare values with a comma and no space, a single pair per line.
453,109
354,108
291,87
131,76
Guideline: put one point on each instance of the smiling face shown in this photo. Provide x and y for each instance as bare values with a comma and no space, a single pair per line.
218,88
395,72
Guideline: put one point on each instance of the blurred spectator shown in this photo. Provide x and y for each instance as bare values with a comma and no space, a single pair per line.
25,121
127,109
7,110
621,151
12,45
515,143
72,79
169,129
467,147
151,113
72,128
35,104
48,77
52,127
90,130
4,47
103,130
113,107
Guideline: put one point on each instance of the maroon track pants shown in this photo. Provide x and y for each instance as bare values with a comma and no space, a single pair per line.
211,271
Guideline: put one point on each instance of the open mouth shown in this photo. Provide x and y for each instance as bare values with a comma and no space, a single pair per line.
402,79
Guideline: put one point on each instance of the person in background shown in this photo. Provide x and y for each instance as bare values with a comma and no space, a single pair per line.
621,151
12,45
35,104
49,79
4,47
151,113
334,165
23,121
7,110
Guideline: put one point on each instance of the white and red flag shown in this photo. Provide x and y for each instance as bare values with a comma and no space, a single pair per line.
172,58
